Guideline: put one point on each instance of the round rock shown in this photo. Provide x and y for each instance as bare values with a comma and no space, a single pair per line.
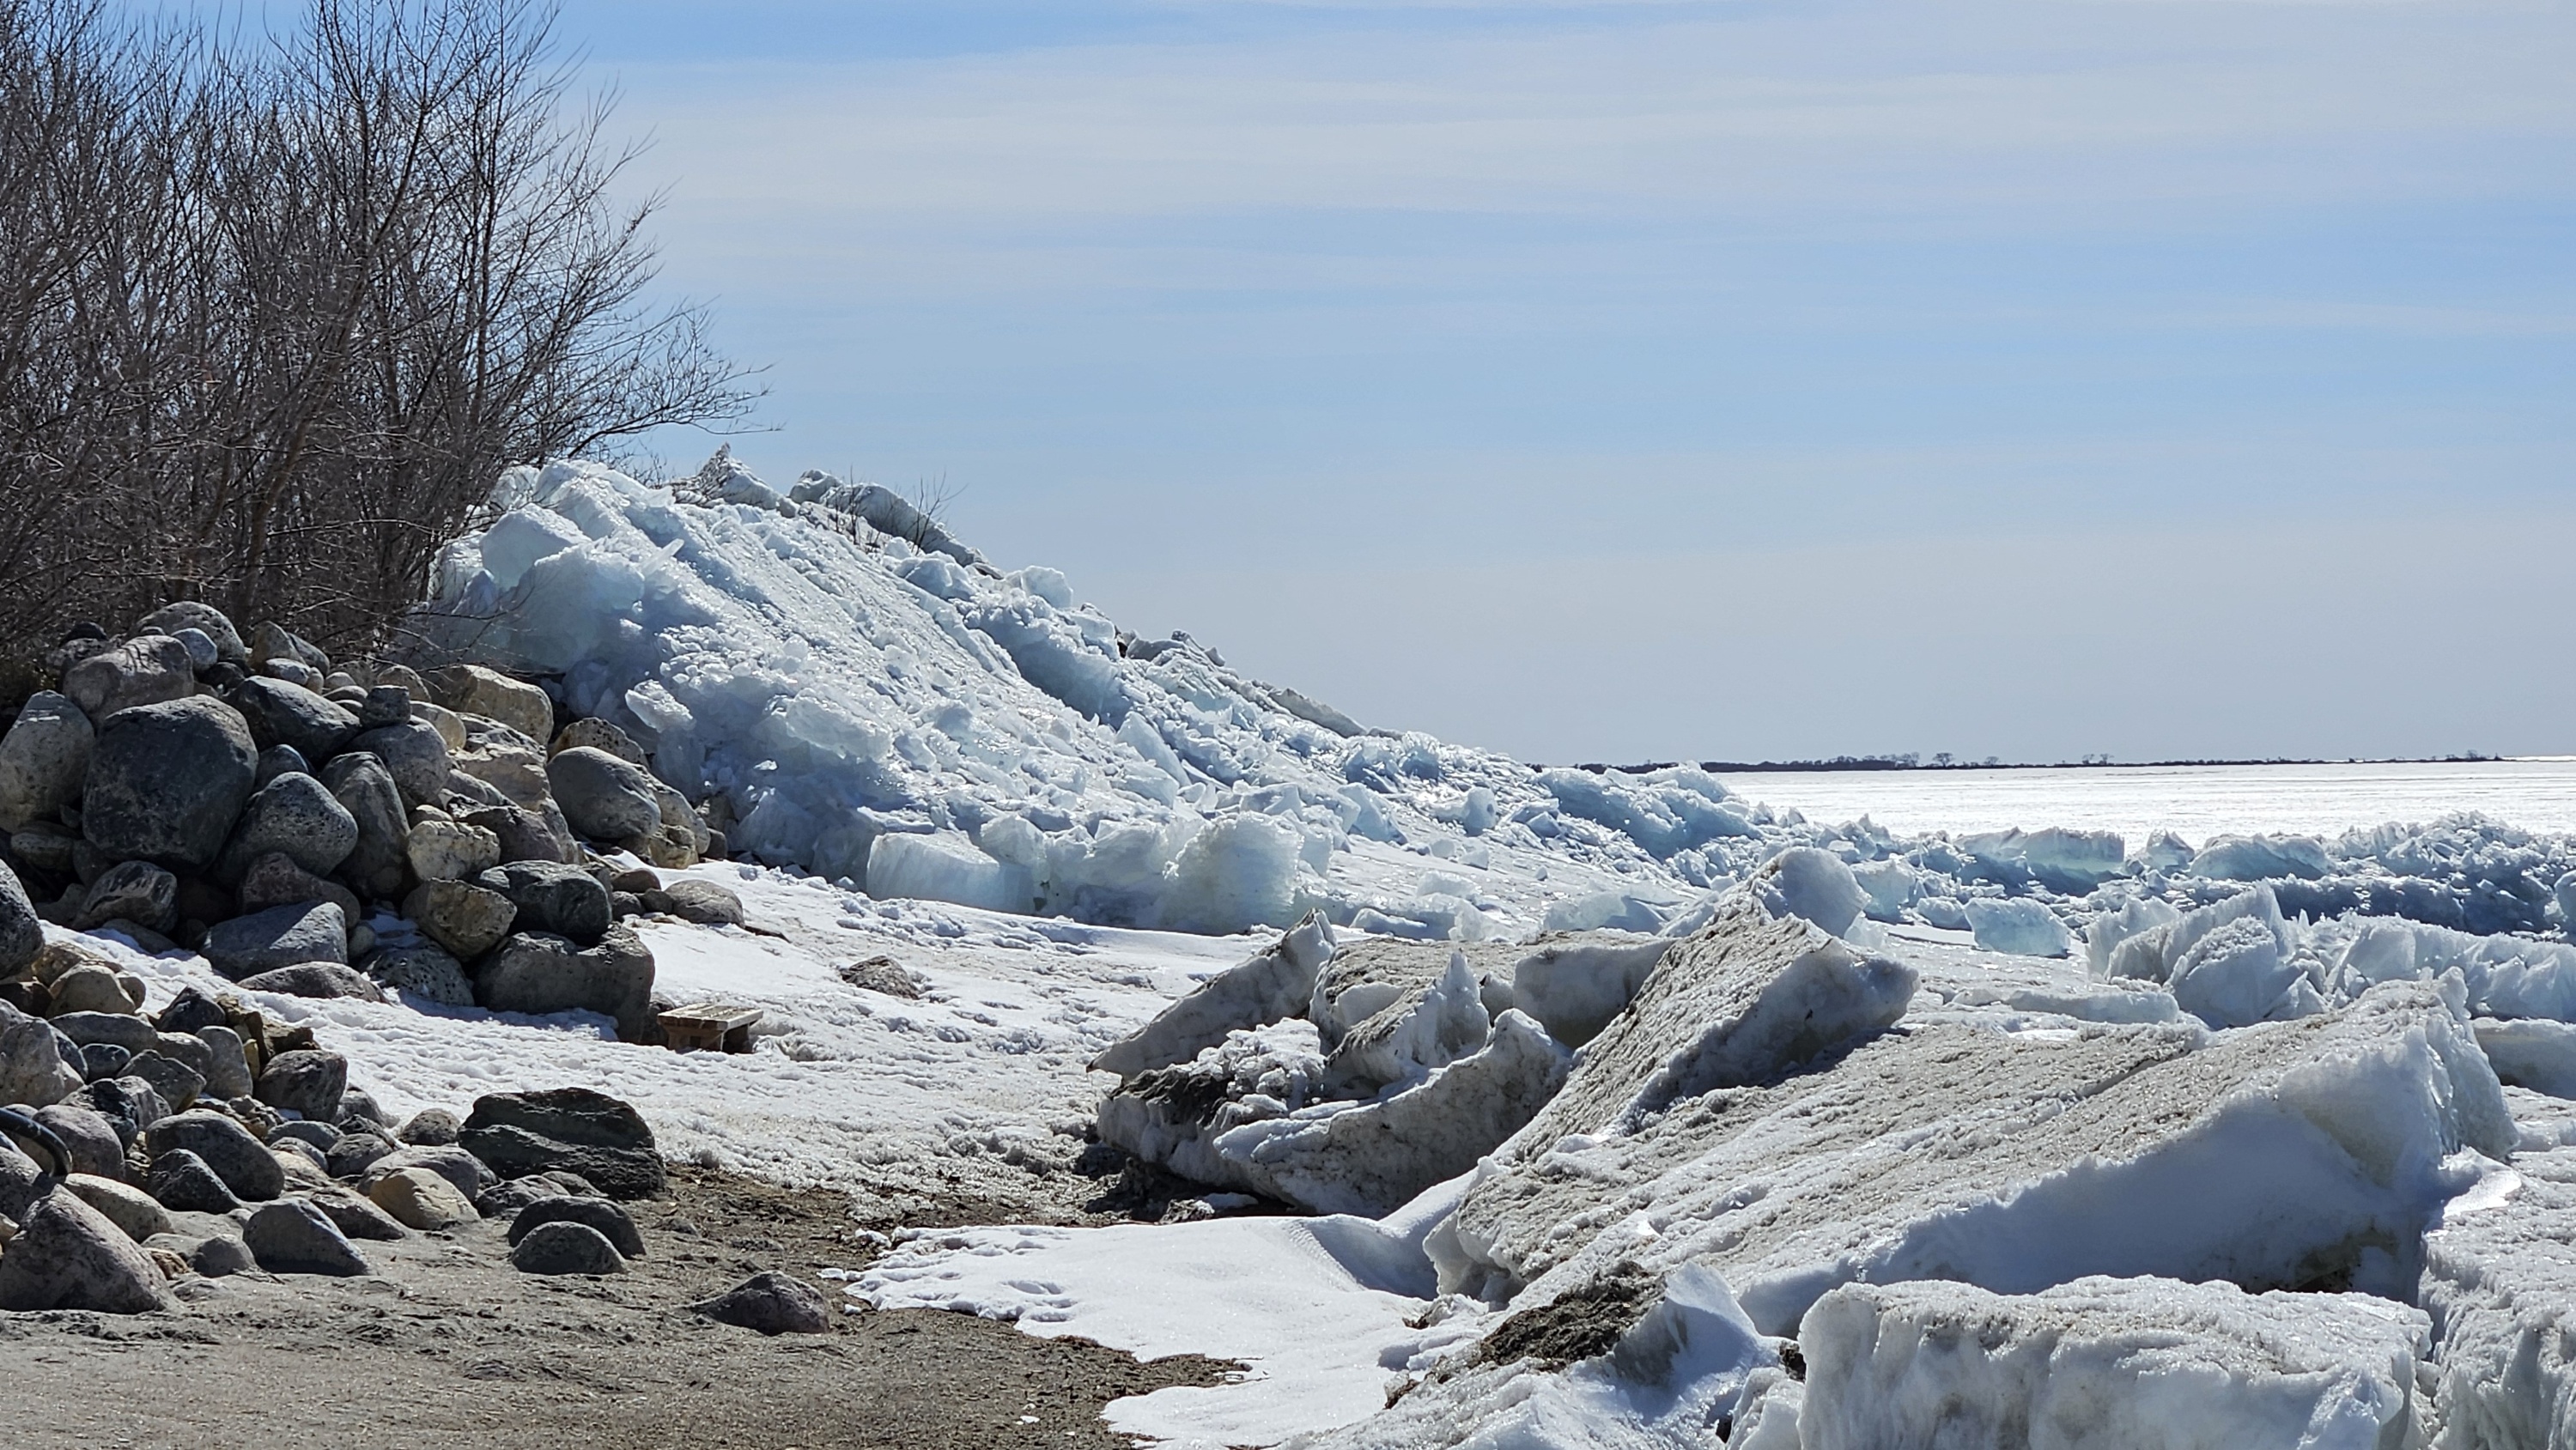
613,1222
149,669
167,781
308,1082
293,1236
450,850
205,619
282,936
22,932
605,798
280,713
467,920
68,1255
365,788
566,1248
552,897
422,974
295,816
127,1207
415,753
772,1303
240,1160
430,1128
135,891
43,759
97,1148
419,1198
180,1179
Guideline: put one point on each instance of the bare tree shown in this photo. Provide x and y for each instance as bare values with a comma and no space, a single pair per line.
273,314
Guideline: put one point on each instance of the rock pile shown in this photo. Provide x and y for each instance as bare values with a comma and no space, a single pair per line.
113,1190
258,803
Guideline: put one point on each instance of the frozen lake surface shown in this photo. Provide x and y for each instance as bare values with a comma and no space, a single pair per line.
2194,802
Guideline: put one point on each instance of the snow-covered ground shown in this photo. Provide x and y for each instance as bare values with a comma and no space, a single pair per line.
981,1075
2194,802
2076,1031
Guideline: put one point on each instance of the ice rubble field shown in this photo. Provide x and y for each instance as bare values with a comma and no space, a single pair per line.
2192,801
1670,1119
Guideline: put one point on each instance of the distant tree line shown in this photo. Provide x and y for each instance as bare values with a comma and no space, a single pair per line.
276,306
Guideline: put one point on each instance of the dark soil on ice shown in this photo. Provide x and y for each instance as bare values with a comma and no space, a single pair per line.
447,1345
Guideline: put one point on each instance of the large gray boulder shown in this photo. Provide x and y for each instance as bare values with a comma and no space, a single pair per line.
282,936
295,816
32,1069
227,1062
240,1160
43,759
704,902
180,1179
167,781
68,1255
605,798
528,834
566,1248
130,1032
22,1180
96,1146
551,897
415,753
380,862
470,1175
124,1205
293,1236
130,1105
171,1078
204,618
574,1130
275,880
282,713
307,1082
539,972
613,1222
22,932
146,670
135,891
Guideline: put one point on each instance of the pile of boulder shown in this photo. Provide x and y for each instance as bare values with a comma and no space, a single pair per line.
260,804
137,1154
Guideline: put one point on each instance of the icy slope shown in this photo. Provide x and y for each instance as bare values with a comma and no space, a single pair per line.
856,695
921,727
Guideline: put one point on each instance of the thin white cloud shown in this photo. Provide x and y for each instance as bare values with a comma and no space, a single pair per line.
1856,108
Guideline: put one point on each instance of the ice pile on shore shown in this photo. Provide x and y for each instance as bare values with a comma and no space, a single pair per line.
859,695
914,721
1798,1192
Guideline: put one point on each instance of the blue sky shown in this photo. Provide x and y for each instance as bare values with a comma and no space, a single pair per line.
1694,380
